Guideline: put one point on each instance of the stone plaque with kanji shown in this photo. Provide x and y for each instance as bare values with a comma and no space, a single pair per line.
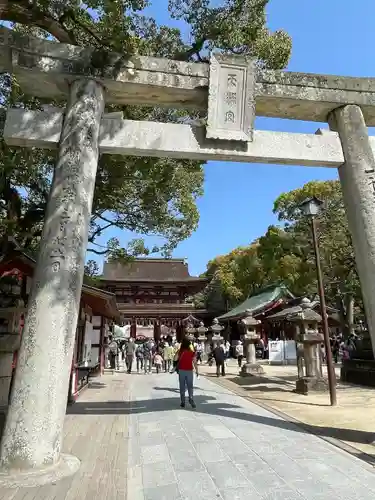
231,102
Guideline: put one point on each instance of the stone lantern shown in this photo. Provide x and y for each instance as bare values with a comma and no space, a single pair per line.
251,337
307,320
216,330
201,330
190,331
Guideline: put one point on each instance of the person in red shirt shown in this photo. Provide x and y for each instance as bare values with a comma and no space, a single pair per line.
187,363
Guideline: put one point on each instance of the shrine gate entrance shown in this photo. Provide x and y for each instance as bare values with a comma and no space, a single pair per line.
231,92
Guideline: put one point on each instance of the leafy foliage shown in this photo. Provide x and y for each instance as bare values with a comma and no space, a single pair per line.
142,195
91,273
285,254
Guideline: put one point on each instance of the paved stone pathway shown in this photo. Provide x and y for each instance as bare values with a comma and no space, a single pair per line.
136,443
229,449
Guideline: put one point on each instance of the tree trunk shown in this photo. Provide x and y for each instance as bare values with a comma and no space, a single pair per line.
346,312
3,6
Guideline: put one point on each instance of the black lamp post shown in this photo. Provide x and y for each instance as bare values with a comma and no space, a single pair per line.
310,208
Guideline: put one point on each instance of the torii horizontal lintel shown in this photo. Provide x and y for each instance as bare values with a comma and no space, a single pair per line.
42,129
45,69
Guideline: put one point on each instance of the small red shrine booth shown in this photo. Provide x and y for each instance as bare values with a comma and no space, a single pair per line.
98,311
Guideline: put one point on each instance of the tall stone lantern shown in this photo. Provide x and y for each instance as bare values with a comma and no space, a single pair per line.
307,320
251,337
190,331
216,330
201,331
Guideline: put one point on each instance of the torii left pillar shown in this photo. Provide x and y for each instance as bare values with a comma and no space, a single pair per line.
30,452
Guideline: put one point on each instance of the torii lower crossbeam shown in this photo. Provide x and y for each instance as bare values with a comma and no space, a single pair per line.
42,129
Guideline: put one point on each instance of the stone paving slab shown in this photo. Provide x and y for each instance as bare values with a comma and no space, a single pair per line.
99,439
344,423
136,443
230,449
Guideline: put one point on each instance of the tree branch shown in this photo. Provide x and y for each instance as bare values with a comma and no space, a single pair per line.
98,231
195,49
98,252
24,13
71,15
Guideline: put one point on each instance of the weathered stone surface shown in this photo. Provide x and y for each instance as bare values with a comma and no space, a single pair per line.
231,98
66,466
42,129
305,385
33,431
311,338
44,69
130,79
357,176
251,369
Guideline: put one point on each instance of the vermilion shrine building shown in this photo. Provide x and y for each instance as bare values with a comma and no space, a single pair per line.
153,291
97,311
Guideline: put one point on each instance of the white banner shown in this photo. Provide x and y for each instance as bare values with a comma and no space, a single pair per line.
290,350
276,351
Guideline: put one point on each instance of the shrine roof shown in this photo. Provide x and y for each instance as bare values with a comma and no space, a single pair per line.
264,300
292,314
148,270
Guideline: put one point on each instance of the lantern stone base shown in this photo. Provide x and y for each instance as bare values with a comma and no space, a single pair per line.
251,369
305,385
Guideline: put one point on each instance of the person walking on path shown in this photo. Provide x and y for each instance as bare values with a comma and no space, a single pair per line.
158,362
168,354
147,356
199,351
186,364
130,350
139,354
219,356
239,353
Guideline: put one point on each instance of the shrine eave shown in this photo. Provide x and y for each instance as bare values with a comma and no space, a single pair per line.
165,313
156,282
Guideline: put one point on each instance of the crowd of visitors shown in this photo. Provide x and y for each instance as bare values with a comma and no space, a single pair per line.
341,348
170,356
183,358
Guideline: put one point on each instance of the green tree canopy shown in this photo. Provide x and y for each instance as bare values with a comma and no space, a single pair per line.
285,254
144,195
338,262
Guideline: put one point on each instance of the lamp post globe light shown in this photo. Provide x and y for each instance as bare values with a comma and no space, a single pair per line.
311,208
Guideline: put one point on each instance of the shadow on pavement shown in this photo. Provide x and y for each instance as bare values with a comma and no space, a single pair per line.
210,406
96,385
306,403
249,381
177,391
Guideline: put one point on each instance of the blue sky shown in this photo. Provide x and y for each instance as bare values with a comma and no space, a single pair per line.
329,37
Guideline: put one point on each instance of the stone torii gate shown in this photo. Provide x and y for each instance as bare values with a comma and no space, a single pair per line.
232,91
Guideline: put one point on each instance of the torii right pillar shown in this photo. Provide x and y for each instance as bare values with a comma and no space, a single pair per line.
357,176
